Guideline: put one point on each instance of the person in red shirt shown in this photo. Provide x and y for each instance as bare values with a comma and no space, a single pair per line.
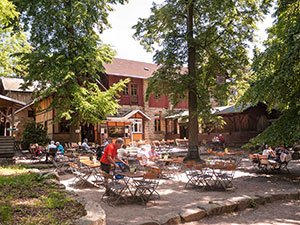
111,153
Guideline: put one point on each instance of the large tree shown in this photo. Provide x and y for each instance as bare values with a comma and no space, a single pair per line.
12,41
207,35
276,76
67,56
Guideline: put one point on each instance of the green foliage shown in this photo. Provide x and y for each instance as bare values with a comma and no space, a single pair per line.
285,131
276,76
5,211
67,56
221,31
12,43
55,200
34,133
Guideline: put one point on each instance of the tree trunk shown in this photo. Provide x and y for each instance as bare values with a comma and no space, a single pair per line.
192,94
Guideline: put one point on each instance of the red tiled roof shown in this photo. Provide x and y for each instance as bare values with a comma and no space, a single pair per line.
130,68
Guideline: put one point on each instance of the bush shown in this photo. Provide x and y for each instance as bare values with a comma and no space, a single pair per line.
34,133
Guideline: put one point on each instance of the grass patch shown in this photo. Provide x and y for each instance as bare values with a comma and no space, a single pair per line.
25,198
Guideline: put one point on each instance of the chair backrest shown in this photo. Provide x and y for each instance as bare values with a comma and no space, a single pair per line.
230,166
209,150
263,157
253,156
52,150
178,160
73,165
150,176
240,153
219,163
155,170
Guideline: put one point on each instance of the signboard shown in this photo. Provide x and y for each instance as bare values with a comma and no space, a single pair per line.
12,129
193,151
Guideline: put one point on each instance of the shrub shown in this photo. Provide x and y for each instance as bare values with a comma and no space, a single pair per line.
34,133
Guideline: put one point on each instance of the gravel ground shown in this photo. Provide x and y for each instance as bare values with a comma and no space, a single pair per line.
174,197
279,213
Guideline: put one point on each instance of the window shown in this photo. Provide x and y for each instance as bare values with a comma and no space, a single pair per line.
30,113
126,90
116,132
64,126
157,125
134,89
137,126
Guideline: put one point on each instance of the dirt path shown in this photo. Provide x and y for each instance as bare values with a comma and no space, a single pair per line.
174,196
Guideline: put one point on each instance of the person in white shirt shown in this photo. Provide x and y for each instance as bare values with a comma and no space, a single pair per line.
268,152
122,154
51,150
143,155
85,145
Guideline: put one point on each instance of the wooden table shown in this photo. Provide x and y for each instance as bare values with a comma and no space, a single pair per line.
94,170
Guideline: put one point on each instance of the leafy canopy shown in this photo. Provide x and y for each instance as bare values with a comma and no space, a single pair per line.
12,42
276,76
220,32
67,56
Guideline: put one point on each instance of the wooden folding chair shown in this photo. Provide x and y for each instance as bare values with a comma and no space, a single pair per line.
147,187
113,190
225,179
81,174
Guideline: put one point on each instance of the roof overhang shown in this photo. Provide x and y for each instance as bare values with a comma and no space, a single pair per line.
6,102
128,116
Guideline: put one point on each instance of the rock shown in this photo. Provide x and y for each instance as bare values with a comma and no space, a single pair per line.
294,194
268,197
241,201
280,196
258,200
192,214
170,219
226,206
95,215
211,209
150,222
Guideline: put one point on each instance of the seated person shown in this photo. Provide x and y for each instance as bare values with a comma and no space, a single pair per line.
122,153
85,145
269,152
144,157
153,155
51,150
60,148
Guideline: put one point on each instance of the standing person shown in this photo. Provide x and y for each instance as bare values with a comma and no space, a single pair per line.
60,148
222,141
111,153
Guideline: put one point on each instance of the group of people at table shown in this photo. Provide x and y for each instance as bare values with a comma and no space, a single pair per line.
116,154
278,155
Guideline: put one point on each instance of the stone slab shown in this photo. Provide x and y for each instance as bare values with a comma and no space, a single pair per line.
211,209
192,214
172,218
95,215
241,201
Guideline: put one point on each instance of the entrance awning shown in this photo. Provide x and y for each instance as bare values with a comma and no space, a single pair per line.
6,102
128,116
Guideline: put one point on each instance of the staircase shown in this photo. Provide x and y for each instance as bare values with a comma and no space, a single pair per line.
7,150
